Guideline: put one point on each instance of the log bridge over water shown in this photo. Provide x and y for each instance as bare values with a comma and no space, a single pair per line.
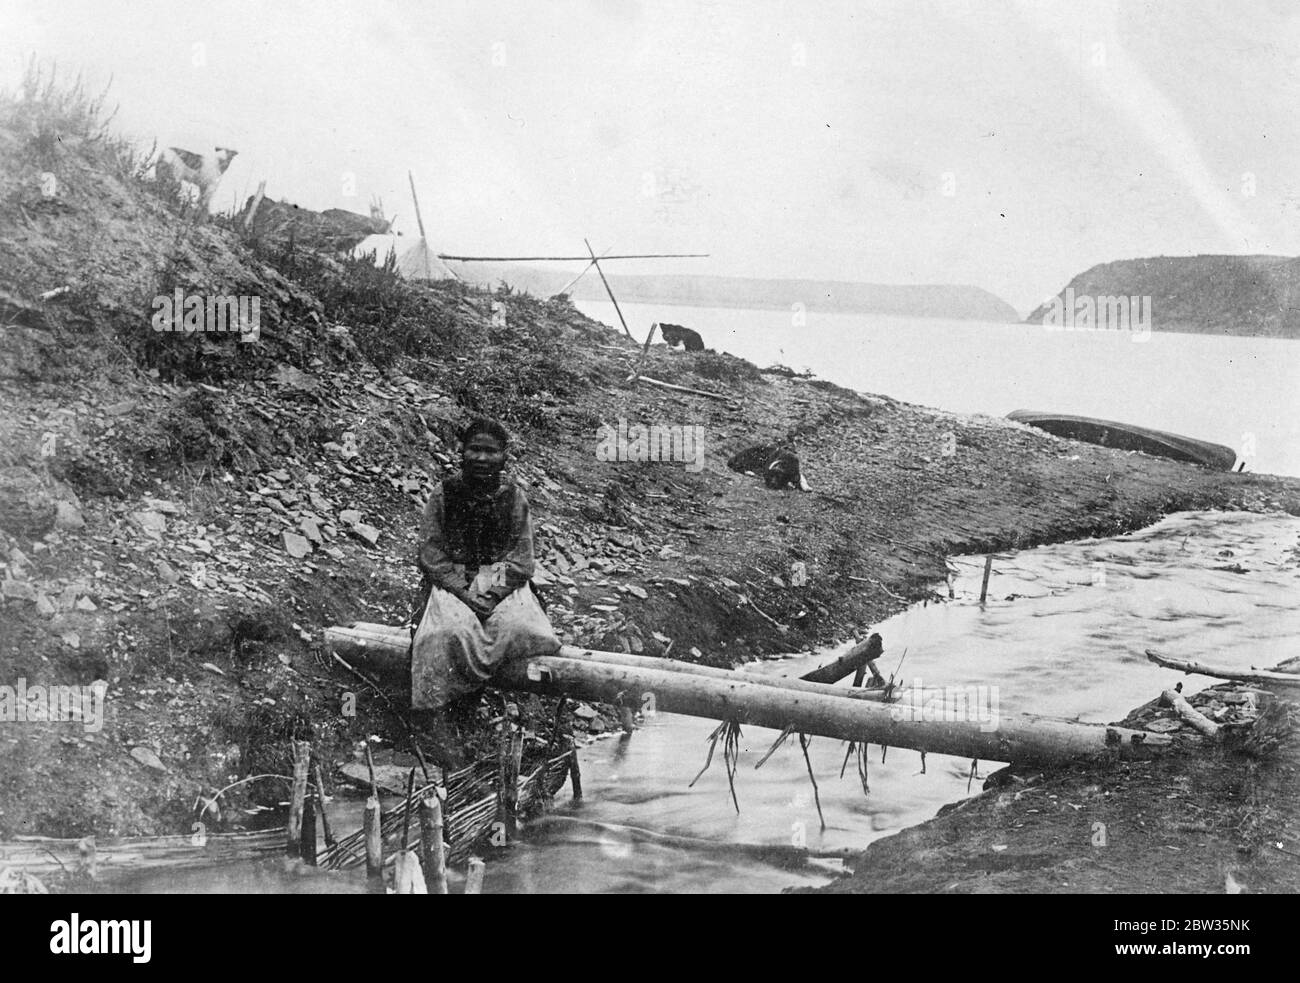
929,722
443,818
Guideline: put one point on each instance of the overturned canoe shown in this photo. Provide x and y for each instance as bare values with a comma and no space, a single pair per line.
1127,437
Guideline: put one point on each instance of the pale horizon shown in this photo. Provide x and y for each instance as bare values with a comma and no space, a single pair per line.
1001,145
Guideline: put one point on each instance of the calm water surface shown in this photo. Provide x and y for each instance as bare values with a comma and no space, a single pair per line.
1241,392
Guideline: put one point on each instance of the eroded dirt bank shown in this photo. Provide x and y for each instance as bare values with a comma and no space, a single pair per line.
1203,819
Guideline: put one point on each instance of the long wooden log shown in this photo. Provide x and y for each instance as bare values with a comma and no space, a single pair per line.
1223,672
1030,737
811,708
387,648
1011,737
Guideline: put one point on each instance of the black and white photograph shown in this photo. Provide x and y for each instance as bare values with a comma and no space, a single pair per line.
676,447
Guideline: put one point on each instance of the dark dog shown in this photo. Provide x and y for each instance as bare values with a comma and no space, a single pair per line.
784,472
779,466
676,335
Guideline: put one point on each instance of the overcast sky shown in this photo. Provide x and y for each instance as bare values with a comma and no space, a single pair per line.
1004,144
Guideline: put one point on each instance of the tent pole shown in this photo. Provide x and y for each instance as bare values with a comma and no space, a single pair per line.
596,263
418,220
569,286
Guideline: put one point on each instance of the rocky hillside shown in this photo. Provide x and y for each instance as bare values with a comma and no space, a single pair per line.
182,514
1228,295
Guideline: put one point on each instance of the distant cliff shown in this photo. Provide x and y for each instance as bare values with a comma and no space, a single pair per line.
827,296
1228,295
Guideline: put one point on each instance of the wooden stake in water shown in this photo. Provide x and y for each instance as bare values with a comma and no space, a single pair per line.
408,878
988,569
301,761
431,846
508,773
575,772
320,805
307,843
474,876
374,842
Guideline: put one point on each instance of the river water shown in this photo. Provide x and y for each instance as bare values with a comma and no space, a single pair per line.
1241,392
1070,642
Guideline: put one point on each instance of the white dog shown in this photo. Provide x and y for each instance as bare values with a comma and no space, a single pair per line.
203,171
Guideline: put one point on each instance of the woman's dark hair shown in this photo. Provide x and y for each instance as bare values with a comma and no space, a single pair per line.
485,425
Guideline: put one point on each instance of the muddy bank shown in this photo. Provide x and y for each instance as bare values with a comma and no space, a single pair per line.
1203,819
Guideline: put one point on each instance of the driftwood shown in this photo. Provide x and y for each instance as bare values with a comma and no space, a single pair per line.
861,656
814,709
683,389
385,647
1175,699
1223,672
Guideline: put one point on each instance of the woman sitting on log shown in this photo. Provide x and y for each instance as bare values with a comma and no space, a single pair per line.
476,552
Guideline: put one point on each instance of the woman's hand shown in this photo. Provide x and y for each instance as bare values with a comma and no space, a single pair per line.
481,606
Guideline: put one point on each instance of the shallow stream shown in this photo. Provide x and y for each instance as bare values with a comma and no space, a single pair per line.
1063,632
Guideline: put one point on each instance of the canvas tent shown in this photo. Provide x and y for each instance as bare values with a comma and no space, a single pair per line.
415,260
